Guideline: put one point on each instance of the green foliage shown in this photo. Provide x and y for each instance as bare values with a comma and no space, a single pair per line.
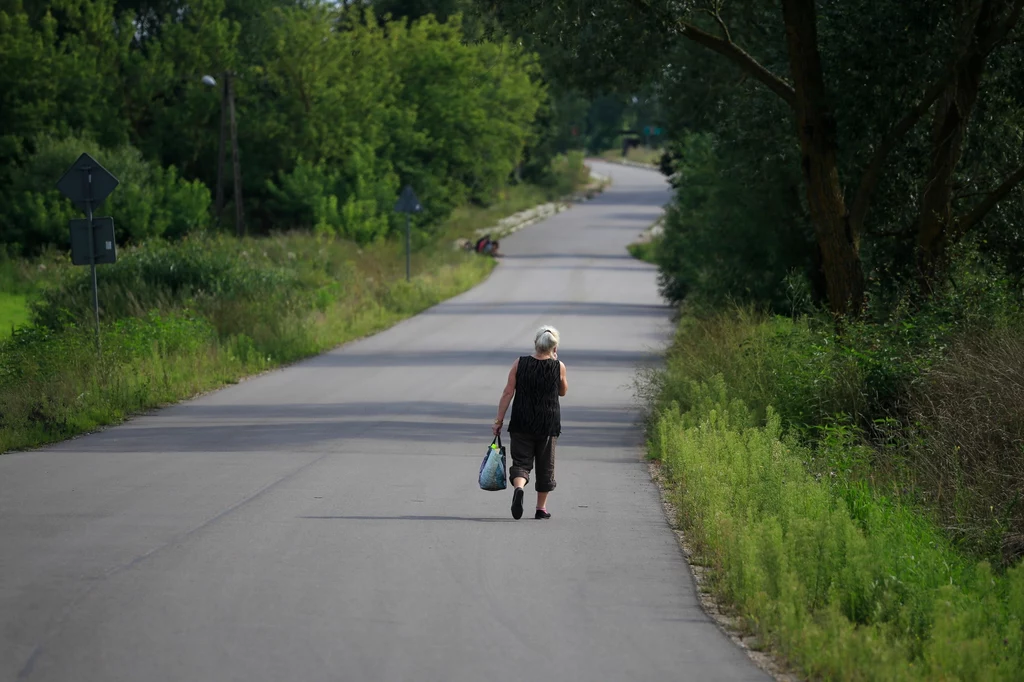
474,109
312,195
59,75
731,235
149,202
179,319
929,401
878,61
839,580
13,313
336,110
645,251
566,173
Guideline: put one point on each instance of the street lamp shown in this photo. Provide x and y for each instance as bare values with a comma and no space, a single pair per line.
227,111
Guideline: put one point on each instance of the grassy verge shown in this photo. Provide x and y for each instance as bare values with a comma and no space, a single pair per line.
838,571
183,318
645,251
13,313
189,318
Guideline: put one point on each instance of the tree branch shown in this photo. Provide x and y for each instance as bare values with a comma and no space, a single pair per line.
716,14
970,220
726,48
1003,28
873,173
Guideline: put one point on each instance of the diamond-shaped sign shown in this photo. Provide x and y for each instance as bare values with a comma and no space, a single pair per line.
87,180
408,203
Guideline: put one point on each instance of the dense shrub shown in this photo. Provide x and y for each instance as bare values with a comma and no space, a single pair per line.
734,232
150,201
336,111
926,404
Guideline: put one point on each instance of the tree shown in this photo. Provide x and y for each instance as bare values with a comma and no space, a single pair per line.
786,50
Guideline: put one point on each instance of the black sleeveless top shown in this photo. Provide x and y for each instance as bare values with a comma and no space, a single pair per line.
535,409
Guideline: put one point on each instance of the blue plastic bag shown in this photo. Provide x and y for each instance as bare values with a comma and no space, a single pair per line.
492,469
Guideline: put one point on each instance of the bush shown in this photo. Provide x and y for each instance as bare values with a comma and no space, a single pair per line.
728,238
149,202
568,172
927,404
353,201
160,275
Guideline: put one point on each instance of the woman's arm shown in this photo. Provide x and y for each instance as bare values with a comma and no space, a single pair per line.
506,397
563,383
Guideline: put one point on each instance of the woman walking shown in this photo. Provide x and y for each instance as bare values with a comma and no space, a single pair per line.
535,382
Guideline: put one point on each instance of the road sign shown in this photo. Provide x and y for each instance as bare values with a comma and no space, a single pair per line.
87,183
104,248
408,203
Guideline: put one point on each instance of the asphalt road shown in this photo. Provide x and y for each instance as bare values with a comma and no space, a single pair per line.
323,522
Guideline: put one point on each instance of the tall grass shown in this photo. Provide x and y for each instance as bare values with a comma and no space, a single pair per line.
180,319
934,416
840,581
854,495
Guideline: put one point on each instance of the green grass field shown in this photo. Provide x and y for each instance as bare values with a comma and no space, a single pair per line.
13,313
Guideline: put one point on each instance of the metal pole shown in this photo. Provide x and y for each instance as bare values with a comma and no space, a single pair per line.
408,249
221,146
92,256
236,161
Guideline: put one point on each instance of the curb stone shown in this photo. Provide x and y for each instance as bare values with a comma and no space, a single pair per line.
517,221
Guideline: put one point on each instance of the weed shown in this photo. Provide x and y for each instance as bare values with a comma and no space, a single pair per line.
842,581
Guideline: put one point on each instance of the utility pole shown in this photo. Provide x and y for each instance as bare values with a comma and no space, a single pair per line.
228,120
220,150
235,160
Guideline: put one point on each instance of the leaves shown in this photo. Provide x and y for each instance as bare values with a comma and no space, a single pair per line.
336,109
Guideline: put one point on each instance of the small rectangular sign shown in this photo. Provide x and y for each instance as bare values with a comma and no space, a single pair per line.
102,234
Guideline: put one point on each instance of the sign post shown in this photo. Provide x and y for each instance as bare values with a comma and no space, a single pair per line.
408,203
87,184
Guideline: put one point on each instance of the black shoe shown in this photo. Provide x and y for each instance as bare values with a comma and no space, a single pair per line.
541,514
517,503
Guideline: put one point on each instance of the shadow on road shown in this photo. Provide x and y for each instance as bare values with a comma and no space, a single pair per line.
424,428
563,308
411,518
590,359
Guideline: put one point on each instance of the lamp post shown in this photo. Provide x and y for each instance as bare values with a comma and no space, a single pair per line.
227,111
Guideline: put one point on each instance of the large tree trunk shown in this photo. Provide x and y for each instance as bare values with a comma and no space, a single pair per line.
952,116
840,256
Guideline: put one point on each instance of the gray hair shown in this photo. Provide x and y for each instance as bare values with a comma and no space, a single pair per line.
546,339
